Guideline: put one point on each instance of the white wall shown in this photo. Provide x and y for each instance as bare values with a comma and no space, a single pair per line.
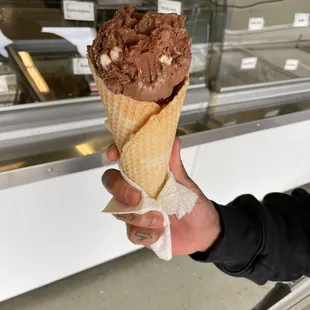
277,159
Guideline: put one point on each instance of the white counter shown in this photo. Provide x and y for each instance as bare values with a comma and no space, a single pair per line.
54,228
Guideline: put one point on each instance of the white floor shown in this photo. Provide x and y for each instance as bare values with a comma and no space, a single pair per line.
141,281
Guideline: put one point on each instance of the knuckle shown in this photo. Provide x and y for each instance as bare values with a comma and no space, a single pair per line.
138,221
147,220
127,218
151,220
155,220
121,217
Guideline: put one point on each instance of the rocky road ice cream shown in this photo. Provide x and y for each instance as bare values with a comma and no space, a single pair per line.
142,56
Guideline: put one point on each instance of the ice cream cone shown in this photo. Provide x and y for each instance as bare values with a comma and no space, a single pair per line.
125,115
144,133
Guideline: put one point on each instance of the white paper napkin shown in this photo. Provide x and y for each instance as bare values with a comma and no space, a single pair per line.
174,199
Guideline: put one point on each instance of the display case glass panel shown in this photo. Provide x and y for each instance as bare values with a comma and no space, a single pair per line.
259,44
43,45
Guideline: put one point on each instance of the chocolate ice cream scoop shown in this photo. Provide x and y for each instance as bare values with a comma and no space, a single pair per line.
142,56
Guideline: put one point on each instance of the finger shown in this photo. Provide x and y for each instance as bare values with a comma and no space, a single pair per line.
179,172
119,188
176,165
143,236
147,220
112,153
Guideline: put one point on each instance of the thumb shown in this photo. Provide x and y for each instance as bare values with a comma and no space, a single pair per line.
180,174
176,165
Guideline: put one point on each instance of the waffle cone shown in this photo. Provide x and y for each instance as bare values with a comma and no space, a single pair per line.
144,134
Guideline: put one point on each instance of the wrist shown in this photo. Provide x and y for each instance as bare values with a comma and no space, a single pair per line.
213,232
241,235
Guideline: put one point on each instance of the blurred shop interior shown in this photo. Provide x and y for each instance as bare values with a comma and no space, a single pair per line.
250,73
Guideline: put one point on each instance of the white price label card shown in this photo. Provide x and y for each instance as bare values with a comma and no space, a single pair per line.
167,6
248,63
256,23
76,10
301,20
3,84
291,64
80,66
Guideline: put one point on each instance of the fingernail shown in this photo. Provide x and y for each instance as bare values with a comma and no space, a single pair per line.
110,147
132,197
157,221
105,180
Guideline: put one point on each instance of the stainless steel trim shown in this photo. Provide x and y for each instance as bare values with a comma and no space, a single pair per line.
269,86
68,166
54,169
85,100
70,111
238,95
54,103
268,35
242,129
258,104
298,294
51,129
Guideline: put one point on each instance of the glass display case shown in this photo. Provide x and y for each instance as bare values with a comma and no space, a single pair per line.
249,64
237,44
258,46
43,45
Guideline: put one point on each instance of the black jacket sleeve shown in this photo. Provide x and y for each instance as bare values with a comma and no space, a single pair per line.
262,241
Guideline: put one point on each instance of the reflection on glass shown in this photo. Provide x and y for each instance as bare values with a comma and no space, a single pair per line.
256,29
85,149
33,72
12,166
45,51
225,34
39,45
